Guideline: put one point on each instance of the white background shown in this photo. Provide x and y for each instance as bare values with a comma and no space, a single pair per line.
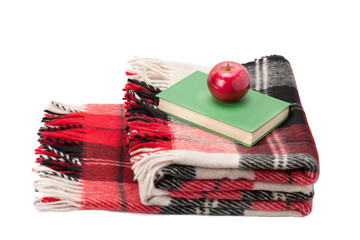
76,52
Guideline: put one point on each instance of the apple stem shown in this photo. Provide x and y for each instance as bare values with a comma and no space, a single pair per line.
227,68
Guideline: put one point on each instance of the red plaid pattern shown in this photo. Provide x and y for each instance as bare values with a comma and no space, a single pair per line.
84,163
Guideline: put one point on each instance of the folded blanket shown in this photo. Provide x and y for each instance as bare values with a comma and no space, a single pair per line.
84,162
189,170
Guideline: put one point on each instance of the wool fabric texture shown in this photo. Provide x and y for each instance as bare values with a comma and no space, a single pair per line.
136,158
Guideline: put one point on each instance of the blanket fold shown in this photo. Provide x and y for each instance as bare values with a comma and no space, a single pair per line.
136,158
179,166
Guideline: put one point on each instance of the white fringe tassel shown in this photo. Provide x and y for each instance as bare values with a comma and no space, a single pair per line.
148,166
67,191
61,108
151,70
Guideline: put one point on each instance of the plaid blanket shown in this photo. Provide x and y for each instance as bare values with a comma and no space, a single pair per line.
189,170
90,155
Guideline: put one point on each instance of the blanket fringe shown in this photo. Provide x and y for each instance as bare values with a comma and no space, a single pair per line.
151,70
140,100
58,193
147,131
59,158
146,124
151,163
57,108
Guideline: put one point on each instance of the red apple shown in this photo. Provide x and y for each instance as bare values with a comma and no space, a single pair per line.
228,81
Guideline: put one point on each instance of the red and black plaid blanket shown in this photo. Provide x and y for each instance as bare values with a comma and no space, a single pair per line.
90,155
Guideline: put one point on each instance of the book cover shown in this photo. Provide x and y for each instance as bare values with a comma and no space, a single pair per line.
249,113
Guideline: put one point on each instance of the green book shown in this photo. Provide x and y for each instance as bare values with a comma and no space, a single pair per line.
245,121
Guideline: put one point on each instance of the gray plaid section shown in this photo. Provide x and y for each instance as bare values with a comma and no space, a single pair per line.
269,161
279,72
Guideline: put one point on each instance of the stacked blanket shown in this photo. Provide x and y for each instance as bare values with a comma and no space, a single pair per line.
133,157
